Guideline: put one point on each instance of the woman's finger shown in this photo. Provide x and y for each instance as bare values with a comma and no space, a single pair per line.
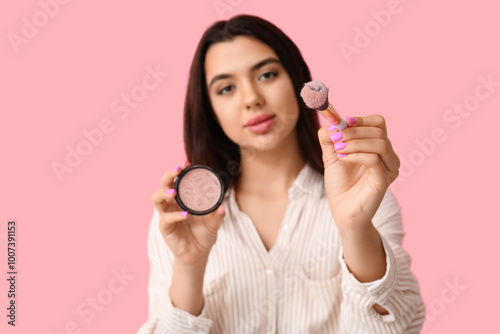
370,160
215,218
372,127
169,218
357,133
164,200
370,120
167,180
169,221
380,147
372,145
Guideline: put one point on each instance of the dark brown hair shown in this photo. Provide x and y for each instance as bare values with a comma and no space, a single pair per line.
205,141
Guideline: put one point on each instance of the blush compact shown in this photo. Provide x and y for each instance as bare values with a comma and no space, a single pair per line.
199,190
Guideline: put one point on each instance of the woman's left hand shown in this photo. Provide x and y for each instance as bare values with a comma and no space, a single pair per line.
357,182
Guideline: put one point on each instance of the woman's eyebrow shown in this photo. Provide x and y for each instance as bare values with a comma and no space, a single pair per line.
252,69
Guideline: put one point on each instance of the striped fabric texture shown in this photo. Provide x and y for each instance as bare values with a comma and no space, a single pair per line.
301,285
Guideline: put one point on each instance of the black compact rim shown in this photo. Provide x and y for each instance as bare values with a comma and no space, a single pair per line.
186,208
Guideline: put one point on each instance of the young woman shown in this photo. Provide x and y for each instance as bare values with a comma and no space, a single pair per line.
308,238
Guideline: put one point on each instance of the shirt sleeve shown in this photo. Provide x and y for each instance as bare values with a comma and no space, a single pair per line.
164,317
397,291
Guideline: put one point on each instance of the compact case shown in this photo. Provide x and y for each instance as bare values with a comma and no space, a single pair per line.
199,190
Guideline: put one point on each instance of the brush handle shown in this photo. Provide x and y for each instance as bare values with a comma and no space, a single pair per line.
332,116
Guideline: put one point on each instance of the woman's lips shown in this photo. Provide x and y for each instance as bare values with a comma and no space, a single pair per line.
262,126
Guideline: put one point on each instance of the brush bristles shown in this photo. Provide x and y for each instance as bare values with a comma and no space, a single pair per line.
315,95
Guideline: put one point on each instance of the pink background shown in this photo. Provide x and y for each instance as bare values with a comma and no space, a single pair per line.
77,231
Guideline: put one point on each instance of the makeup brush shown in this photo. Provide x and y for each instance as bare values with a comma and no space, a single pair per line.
315,95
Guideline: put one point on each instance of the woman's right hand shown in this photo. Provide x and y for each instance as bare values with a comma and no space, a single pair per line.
189,237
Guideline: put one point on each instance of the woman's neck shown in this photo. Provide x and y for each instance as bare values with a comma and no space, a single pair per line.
270,171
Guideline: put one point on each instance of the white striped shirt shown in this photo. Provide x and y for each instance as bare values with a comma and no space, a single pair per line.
301,285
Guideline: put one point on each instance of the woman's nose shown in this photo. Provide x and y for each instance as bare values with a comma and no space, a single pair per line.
251,96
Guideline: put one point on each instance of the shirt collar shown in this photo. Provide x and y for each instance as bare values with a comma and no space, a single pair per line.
308,181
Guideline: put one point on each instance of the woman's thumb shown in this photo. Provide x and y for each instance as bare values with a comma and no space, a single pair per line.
217,217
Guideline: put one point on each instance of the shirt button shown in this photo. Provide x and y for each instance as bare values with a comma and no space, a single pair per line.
269,272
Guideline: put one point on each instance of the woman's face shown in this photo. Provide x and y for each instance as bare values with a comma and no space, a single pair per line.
245,79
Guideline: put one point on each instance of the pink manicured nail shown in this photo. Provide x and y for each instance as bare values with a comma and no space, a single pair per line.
341,155
340,146
184,213
351,120
223,210
336,136
171,191
175,169
331,128
185,164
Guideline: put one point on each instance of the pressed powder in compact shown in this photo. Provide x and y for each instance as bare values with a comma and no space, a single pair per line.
199,190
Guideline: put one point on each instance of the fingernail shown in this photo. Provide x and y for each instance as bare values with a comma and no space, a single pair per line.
340,146
351,120
171,191
184,213
331,128
341,155
185,164
223,210
336,136
175,169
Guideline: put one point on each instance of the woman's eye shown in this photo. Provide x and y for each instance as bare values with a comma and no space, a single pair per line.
224,90
268,75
